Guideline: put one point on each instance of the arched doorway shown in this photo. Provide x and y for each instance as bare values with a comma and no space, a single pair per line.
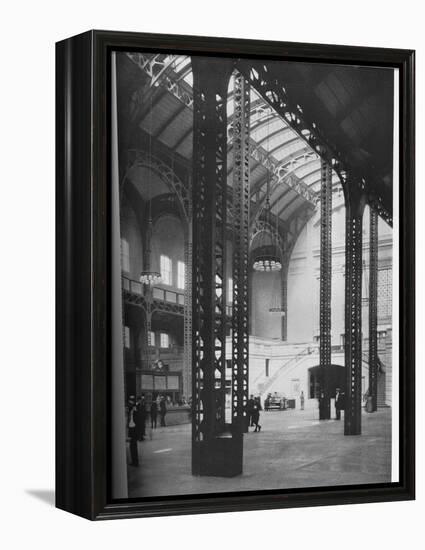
336,378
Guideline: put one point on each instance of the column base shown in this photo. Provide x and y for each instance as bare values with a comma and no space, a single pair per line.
221,456
325,410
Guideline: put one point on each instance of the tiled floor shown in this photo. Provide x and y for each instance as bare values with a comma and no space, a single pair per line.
293,449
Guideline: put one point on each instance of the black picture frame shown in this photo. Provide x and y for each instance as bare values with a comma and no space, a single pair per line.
82,274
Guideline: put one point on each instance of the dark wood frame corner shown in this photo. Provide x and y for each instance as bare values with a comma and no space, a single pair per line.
82,275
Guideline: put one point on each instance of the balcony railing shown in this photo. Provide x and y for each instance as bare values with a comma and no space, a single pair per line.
158,293
132,286
168,295
171,300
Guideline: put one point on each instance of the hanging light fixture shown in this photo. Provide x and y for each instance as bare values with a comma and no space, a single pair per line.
276,299
149,277
268,256
267,253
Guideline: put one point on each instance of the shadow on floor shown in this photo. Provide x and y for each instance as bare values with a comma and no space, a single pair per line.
45,495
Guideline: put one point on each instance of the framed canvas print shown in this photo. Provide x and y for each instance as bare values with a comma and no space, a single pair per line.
235,275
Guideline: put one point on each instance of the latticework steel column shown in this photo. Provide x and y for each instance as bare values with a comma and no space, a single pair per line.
187,319
284,274
210,84
148,295
373,308
354,206
241,199
187,337
325,287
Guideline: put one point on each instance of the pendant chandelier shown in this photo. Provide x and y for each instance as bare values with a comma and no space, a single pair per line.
149,277
268,256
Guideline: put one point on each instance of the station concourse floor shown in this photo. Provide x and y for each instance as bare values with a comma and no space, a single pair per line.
294,449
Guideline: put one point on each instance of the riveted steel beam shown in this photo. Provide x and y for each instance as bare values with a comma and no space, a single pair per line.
211,454
354,207
241,224
159,69
373,308
284,275
274,93
325,288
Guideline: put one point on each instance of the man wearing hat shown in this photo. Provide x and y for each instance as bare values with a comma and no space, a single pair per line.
132,430
140,417
338,403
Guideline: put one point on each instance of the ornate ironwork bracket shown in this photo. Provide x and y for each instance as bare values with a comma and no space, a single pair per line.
158,306
275,94
138,158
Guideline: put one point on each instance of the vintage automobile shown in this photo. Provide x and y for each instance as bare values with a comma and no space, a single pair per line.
275,402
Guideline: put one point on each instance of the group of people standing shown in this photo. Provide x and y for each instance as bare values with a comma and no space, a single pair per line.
253,409
137,414
158,405
339,402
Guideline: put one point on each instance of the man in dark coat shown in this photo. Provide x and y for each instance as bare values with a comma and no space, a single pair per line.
256,414
249,409
132,430
141,418
339,403
162,410
154,414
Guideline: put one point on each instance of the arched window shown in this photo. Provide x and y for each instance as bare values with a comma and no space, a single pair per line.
125,256
230,290
181,274
166,270
164,340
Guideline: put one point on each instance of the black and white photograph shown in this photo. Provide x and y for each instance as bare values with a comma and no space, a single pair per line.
255,274
212,230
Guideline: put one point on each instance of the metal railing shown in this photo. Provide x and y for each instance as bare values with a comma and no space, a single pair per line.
309,350
158,293
166,295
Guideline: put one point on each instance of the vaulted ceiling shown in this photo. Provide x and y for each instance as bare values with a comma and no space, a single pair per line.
354,109
353,106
